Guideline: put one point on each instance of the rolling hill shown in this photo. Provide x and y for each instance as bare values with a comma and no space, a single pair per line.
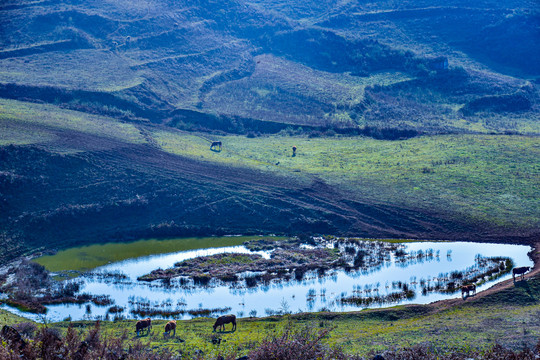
241,66
107,109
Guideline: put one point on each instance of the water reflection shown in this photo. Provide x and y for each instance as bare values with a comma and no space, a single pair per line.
376,276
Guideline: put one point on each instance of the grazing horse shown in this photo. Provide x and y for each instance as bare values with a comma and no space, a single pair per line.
143,324
170,326
225,319
215,144
520,271
468,289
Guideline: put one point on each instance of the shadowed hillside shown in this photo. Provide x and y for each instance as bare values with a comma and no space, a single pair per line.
231,65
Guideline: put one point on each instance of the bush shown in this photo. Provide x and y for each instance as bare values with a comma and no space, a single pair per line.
294,344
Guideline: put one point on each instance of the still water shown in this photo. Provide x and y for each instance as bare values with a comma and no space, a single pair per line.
313,293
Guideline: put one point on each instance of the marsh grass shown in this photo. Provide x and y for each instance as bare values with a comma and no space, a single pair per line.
89,257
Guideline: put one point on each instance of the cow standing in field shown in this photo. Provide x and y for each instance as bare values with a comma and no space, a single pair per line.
142,325
170,326
467,289
520,271
294,151
225,319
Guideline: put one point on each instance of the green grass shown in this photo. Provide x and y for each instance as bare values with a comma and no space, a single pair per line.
485,178
491,179
89,257
38,123
94,70
308,92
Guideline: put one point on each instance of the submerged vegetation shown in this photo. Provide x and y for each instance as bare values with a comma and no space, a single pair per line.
288,259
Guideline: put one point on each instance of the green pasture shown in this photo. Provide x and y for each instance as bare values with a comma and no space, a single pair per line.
489,178
85,258
484,178
28,123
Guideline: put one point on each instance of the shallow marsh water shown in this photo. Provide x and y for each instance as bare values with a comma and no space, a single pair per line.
313,293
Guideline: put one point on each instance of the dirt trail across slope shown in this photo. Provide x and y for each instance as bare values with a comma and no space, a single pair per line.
100,189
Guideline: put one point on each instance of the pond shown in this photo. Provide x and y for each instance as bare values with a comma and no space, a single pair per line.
182,299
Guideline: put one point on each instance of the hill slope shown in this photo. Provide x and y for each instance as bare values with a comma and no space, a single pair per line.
223,65
69,178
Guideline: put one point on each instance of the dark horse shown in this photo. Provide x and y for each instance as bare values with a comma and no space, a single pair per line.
467,289
170,326
142,325
520,271
215,145
225,319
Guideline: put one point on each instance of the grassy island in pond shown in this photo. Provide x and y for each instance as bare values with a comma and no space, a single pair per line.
84,258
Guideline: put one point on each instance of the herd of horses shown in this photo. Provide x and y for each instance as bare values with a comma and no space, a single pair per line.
145,325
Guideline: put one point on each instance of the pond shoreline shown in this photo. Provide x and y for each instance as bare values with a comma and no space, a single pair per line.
535,270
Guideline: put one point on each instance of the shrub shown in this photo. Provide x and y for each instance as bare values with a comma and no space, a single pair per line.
297,344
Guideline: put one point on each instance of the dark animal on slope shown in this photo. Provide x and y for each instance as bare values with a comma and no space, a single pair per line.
520,271
215,144
225,319
468,289
294,151
170,326
142,325
12,336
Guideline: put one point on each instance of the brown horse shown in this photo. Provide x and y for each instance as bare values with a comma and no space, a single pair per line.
170,326
142,325
225,319
520,271
468,289
215,145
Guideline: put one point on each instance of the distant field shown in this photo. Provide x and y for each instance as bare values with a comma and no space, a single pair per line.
480,177
488,178
28,123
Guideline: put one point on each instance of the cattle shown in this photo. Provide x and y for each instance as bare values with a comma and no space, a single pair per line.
520,271
225,319
142,325
215,145
170,326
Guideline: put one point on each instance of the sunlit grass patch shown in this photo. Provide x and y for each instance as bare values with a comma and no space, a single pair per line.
484,178
89,257
23,117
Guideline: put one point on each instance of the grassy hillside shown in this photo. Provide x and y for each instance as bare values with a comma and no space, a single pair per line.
233,64
70,178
